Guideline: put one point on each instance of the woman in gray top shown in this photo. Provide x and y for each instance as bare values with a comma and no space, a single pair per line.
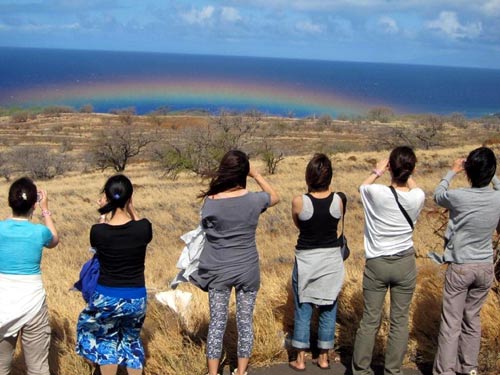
229,217
474,215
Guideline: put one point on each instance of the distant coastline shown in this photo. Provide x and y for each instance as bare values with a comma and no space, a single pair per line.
285,87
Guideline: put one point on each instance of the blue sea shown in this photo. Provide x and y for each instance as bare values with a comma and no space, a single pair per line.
146,81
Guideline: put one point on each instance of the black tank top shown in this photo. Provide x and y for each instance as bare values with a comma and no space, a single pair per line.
320,231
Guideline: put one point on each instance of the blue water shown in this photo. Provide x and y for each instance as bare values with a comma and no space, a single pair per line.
407,88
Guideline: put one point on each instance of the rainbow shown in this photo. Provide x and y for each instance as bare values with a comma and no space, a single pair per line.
276,98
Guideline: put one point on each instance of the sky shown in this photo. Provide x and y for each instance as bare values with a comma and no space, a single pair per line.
431,32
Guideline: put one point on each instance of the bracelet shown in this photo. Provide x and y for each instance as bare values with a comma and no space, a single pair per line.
377,172
46,213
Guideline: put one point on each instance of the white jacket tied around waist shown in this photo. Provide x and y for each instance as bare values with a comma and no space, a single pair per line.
22,298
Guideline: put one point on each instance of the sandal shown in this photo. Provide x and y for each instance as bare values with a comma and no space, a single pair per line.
327,367
235,372
295,368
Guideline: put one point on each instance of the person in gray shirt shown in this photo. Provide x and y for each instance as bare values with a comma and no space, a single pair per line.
474,213
229,259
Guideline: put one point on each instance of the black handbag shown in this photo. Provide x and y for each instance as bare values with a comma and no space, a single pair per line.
344,248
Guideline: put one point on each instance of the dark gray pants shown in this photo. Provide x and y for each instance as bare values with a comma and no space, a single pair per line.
35,338
465,290
399,275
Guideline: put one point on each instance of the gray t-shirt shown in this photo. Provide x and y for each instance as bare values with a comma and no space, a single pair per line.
229,258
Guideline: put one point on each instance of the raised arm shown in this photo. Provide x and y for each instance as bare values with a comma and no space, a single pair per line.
264,185
379,170
47,218
441,191
131,210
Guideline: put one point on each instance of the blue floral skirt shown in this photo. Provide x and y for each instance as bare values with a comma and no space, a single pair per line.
108,331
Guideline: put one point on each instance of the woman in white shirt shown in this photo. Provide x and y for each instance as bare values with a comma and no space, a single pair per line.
390,214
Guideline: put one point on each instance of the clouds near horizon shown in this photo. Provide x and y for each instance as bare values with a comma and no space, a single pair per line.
443,32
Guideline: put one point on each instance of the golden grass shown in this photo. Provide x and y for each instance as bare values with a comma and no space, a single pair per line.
176,346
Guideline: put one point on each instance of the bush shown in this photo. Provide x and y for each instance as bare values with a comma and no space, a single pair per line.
57,110
125,115
87,108
199,149
325,120
171,161
19,117
381,114
39,163
458,120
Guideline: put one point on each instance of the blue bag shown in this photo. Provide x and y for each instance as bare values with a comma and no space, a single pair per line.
89,274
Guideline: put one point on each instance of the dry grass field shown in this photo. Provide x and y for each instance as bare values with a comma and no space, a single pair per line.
175,345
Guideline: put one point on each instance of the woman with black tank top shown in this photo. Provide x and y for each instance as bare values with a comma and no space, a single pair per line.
109,327
319,269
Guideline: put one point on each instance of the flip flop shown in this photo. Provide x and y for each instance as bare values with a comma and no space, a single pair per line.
295,368
325,367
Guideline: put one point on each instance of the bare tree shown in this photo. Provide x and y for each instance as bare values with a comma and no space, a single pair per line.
428,130
271,157
116,146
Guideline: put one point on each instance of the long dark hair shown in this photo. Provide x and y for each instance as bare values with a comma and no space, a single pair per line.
22,196
318,173
232,172
118,190
402,163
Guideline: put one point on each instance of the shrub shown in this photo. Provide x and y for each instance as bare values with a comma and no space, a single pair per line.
57,110
458,120
171,161
325,120
40,163
381,114
87,108
125,115
19,117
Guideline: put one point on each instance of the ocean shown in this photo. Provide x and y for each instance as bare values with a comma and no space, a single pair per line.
147,81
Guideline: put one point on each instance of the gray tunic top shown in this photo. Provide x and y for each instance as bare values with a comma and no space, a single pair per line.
229,258
474,215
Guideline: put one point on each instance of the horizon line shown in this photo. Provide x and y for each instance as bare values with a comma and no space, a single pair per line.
250,56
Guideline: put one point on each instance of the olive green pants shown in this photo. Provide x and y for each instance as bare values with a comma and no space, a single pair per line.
397,274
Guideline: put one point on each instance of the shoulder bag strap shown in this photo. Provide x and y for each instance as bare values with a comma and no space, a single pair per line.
401,208
343,198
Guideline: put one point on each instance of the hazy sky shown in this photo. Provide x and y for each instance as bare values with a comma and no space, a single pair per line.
436,32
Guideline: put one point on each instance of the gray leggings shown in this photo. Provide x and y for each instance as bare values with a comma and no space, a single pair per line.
219,306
